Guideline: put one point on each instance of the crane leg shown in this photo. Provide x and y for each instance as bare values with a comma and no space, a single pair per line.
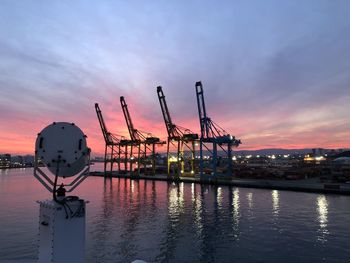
105,162
119,158
112,160
201,164
168,157
193,158
214,159
130,160
229,157
126,159
178,158
153,159
138,159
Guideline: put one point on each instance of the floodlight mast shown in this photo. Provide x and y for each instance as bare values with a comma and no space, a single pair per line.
62,148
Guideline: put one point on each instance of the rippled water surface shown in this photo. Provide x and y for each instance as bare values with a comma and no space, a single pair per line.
166,222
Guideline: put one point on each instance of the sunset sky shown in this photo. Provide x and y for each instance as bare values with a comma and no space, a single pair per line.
276,74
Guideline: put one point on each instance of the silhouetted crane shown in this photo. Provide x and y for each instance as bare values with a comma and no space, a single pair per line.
115,145
142,140
178,137
213,134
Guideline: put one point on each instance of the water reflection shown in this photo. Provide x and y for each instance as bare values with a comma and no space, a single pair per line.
322,210
198,215
210,215
197,210
150,197
250,200
275,202
126,221
235,209
176,200
193,191
130,221
173,228
4,171
132,186
103,221
219,197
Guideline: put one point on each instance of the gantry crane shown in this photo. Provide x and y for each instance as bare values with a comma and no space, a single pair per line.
144,142
115,145
178,137
211,133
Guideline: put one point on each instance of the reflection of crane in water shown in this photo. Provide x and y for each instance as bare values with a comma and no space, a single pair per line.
210,210
174,222
208,234
104,228
130,202
235,207
153,197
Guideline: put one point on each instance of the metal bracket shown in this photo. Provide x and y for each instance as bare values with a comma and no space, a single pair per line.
46,181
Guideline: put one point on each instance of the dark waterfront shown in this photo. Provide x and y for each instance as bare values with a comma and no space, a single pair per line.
166,222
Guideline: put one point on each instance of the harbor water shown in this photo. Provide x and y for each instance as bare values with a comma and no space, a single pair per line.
166,222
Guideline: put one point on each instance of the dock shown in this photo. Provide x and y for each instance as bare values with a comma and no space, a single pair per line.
306,185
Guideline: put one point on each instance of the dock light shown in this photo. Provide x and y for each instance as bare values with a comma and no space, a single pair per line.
319,158
62,148
173,159
192,172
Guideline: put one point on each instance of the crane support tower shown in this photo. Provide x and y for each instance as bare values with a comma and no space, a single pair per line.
115,145
182,139
144,143
212,136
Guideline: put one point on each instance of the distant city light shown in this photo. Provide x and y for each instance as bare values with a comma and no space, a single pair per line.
319,158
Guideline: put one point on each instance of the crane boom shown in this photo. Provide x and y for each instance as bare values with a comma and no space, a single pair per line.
203,119
132,131
170,126
113,143
106,134
209,129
